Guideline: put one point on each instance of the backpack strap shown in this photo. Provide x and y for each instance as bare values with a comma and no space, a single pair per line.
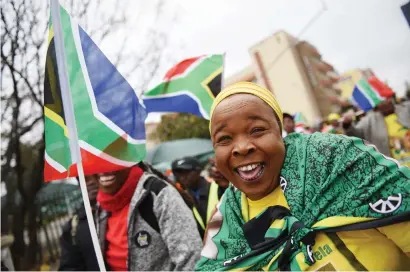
154,185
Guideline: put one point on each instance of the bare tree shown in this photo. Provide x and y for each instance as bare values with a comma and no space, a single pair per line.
23,45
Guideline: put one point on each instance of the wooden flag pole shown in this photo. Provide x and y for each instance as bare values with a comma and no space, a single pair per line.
71,124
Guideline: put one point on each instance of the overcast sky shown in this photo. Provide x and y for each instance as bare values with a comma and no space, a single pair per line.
349,34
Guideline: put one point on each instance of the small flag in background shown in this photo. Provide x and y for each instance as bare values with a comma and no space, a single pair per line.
108,114
190,87
367,94
300,120
301,123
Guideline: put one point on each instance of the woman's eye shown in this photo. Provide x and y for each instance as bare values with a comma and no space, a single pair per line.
257,130
223,139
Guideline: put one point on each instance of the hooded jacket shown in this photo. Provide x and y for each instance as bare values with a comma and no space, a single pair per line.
177,244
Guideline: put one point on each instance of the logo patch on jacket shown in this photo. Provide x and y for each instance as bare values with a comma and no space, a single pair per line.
389,205
142,239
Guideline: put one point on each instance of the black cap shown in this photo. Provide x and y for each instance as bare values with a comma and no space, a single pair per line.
187,164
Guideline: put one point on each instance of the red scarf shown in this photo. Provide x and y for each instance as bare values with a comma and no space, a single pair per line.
120,199
118,204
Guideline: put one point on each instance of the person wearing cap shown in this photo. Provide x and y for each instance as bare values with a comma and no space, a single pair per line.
386,126
304,202
205,195
333,124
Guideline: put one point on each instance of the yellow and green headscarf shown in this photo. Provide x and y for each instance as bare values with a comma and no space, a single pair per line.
249,88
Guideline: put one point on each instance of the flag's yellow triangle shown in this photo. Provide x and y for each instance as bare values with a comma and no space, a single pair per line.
56,119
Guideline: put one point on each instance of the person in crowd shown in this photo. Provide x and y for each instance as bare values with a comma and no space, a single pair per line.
205,195
143,223
333,124
216,176
333,120
288,124
305,202
386,127
77,250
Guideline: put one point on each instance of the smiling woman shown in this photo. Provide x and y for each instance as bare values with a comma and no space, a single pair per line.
304,202
248,144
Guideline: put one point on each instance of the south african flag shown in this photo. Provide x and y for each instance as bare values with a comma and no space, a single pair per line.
108,114
190,87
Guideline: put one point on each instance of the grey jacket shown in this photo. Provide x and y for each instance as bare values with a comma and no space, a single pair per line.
372,127
176,247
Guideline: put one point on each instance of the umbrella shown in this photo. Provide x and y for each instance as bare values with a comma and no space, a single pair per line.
172,150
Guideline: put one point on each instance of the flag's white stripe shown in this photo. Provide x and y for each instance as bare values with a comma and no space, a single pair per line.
96,112
376,92
54,163
363,91
105,156
178,93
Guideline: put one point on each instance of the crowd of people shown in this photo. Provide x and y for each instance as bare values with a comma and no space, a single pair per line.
386,126
271,198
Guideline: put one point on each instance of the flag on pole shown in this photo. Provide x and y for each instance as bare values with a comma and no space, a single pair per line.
190,87
108,114
367,94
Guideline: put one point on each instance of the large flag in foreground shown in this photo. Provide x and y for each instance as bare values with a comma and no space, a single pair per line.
367,94
190,87
108,114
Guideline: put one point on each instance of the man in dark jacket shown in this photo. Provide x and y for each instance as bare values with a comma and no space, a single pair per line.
77,250
205,195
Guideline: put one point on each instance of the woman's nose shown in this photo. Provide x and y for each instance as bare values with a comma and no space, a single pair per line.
243,148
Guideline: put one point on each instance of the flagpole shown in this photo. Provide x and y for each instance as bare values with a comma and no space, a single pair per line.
71,124
223,71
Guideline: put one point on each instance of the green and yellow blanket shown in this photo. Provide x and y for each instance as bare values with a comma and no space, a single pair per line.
332,183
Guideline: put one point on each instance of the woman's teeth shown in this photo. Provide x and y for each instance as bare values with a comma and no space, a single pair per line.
249,167
250,172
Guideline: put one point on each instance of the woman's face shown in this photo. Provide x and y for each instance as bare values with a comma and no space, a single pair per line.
249,150
111,182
